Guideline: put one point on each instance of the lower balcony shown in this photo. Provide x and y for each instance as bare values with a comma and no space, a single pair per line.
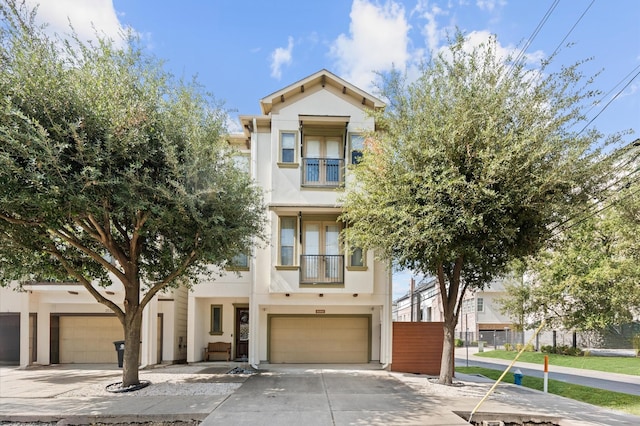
321,269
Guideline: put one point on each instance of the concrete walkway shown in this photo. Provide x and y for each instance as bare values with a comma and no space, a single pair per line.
276,395
596,379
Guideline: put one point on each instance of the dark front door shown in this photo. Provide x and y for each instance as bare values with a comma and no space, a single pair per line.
242,333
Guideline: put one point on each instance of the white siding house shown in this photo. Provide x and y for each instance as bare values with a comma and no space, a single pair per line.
304,297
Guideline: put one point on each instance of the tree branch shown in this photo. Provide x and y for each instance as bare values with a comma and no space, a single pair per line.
162,284
15,221
95,256
87,284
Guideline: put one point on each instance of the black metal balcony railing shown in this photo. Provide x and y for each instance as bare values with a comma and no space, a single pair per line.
322,171
321,269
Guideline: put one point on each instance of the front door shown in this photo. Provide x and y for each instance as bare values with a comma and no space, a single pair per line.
242,333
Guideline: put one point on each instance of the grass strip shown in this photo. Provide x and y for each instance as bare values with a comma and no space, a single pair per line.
602,398
620,365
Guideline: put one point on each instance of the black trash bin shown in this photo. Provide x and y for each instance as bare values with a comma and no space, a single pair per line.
119,344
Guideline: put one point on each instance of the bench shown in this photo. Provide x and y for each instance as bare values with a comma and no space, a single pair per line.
218,351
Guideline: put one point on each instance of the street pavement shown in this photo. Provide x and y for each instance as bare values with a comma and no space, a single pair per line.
596,379
275,395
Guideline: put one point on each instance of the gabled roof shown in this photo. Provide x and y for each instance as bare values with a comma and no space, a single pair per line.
323,78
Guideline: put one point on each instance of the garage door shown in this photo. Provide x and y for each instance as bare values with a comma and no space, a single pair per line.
9,338
319,339
89,340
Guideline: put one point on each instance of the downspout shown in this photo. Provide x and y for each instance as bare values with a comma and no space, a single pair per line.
253,309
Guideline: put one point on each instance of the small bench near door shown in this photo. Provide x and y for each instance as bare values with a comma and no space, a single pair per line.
218,351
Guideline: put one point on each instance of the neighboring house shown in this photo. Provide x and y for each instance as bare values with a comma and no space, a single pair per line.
304,297
480,316
52,323
419,304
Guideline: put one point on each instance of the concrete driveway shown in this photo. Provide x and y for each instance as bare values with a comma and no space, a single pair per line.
309,397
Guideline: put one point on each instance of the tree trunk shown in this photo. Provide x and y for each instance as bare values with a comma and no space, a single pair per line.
132,331
448,347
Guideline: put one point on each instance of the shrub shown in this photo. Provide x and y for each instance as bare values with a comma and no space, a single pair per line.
529,347
508,347
636,344
519,347
547,349
459,343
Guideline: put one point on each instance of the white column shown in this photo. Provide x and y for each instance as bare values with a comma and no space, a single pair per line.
24,330
149,333
194,353
43,330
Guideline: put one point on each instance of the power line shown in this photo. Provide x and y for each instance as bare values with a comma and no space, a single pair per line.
573,27
611,204
533,35
609,103
612,89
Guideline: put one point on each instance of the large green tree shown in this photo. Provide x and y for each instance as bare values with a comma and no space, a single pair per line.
590,279
112,170
474,163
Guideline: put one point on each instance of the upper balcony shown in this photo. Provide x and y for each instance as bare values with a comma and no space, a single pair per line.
322,172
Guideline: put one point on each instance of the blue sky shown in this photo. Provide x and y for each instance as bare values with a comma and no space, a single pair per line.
242,51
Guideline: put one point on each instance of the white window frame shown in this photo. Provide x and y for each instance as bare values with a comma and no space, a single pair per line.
281,162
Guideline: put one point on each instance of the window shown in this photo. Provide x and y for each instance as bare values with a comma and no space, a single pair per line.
357,259
321,261
357,145
287,147
323,161
287,241
241,161
480,304
216,319
240,262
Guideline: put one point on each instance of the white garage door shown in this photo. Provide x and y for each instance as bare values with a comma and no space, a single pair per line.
319,339
89,340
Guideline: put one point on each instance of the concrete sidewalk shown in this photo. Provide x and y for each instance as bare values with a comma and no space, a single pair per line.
276,395
597,379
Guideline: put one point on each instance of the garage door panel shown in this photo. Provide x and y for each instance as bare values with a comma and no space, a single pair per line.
299,339
89,340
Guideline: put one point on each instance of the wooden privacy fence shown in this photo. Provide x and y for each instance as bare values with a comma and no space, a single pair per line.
417,347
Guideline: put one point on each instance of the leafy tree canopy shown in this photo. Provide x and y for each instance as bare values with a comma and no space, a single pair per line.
591,278
110,168
474,162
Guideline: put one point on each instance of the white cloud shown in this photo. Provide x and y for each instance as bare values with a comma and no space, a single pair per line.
281,56
490,5
378,39
431,31
86,16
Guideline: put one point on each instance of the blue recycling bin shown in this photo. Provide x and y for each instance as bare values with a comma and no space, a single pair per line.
517,377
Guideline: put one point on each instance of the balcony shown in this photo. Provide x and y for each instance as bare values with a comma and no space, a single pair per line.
322,172
321,269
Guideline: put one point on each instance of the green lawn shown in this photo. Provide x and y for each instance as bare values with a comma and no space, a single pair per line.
602,398
622,365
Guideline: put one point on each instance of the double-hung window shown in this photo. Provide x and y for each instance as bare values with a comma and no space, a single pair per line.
287,240
287,147
356,142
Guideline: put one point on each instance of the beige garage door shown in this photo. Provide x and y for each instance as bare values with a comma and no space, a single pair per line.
319,339
89,340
